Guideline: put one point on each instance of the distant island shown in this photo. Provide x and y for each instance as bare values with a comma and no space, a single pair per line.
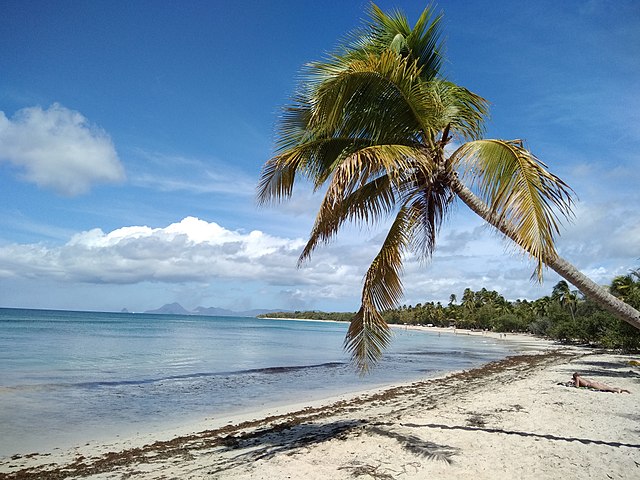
177,309
310,315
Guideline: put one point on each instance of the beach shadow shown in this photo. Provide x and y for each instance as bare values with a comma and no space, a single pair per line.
417,446
608,369
269,442
547,436
609,374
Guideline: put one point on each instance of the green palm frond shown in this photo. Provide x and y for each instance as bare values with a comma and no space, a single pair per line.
519,191
366,205
367,337
391,31
363,186
424,42
315,159
316,134
293,124
454,106
277,179
368,333
379,97
346,124
382,98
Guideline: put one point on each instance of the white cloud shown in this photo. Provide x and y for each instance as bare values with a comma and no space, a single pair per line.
197,256
58,149
603,232
191,250
197,253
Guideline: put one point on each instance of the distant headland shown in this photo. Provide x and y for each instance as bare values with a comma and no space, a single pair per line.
176,309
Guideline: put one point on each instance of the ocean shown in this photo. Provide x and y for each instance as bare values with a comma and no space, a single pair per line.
71,377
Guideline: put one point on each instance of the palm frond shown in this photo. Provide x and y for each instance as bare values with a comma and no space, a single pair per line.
399,162
315,159
277,179
425,42
316,134
454,106
382,96
520,192
367,337
391,31
378,97
368,333
366,205
376,100
363,186
428,204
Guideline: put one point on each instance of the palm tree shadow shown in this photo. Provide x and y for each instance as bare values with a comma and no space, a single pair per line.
547,436
269,442
608,369
419,447
285,438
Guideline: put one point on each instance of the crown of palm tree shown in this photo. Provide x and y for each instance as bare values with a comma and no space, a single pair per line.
370,125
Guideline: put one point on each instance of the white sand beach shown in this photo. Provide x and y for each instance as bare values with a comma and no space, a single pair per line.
516,418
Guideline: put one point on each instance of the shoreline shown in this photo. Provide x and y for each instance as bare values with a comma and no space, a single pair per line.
138,435
455,419
517,337
421,328
27,436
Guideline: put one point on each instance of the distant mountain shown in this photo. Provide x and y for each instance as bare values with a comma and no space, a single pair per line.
171,309
177,309
221,312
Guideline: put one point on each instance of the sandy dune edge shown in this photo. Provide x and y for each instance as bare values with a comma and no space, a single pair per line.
507,419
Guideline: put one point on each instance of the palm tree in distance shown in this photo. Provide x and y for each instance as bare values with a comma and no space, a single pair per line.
627,287
378,126
565,297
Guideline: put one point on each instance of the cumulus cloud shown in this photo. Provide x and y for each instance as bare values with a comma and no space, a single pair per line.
58,149
190,250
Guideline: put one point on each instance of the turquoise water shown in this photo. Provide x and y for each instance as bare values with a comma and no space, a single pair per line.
66,377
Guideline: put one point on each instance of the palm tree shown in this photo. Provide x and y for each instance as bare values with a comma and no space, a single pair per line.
566,297
452,300
541,306
626,288
375,123
468,299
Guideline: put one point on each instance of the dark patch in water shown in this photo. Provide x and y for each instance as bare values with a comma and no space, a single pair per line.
292,369
188,376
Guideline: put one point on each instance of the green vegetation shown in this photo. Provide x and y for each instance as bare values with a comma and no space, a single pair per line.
385,133
563,315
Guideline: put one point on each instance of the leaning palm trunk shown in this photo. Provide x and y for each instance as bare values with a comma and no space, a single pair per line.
563,268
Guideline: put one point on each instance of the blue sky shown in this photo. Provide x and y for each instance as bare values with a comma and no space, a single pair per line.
132,136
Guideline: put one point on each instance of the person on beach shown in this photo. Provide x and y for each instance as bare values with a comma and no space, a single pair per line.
583,382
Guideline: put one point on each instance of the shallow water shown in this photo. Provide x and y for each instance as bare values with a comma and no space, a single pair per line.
70,377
